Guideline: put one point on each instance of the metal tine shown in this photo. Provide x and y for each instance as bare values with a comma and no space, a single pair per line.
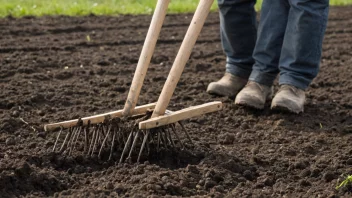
66,137
105,129
170,137
148,148
113,126
185,130
75,141
70,139
101,135
158,145
96,139
123,138
152,139
133,146
126,129
120,137
57,139
163,138
103,144
70,143
178,138
86,139
95,129
143,145
113,144
126,146
122,134
76,135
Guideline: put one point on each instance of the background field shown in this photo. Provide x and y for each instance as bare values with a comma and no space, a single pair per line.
19,8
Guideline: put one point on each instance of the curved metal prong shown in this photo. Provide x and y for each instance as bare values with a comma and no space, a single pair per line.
133,146
186,132
57,139
103,144
129,139
143,145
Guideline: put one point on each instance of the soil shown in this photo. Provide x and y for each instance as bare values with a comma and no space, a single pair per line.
51,71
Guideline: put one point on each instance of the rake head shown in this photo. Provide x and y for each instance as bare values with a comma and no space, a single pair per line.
117,135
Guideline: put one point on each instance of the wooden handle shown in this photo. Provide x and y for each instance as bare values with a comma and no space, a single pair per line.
182,56
146,55
173,117
97,118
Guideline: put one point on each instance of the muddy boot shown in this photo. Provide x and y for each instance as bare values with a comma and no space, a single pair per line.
289,98
228,85
254,95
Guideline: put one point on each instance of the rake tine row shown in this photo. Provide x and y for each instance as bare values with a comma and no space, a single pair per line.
114,135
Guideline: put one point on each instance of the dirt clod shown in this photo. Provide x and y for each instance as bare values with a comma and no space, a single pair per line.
192,169
15,113
109,186
10,141
227,138
328,176
209,183
349,161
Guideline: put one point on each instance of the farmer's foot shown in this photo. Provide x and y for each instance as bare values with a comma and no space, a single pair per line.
289,98
254,95
228,85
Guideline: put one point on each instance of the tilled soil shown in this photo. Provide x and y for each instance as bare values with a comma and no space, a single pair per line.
59,68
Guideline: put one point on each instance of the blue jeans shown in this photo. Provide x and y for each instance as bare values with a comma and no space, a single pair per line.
238,30
289,41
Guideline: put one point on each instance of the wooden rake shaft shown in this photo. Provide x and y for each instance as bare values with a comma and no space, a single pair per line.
158,118
182,57
130,108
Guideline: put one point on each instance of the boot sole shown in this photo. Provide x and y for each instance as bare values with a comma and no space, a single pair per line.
280,108
246,104
211,92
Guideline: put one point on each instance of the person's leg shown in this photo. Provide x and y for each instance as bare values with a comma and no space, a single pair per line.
238,32
301,52
271,31
302,46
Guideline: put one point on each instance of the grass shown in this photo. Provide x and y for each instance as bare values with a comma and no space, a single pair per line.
347,183
18,8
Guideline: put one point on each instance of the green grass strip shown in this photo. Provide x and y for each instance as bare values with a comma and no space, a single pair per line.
19,8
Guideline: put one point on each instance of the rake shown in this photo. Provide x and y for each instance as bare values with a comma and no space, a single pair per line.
146,127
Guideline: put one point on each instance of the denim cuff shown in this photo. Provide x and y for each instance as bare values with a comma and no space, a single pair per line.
240,71
262,78
299,82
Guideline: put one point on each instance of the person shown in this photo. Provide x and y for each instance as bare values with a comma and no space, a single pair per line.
287,42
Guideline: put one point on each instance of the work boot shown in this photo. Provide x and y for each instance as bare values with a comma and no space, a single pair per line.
254,95
228,85
289,98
